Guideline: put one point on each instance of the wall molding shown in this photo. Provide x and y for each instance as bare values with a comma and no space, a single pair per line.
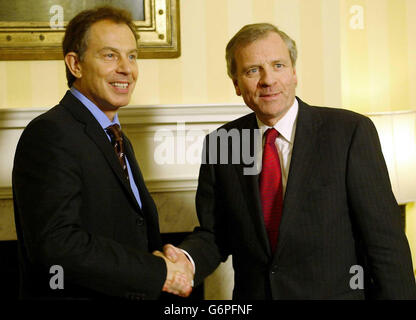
6,193
153,185
171,185
143,115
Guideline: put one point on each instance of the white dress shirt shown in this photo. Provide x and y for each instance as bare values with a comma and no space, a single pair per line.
286,127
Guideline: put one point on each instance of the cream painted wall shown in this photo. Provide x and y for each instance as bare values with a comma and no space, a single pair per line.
366,70
378,65
199,76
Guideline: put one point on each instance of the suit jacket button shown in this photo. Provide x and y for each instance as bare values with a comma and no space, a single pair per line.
140,221
274,269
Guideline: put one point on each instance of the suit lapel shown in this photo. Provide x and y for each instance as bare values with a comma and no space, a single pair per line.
250,189
149,210
97,134
304,156
251,194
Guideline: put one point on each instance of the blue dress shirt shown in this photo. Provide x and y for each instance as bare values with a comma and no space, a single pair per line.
104,123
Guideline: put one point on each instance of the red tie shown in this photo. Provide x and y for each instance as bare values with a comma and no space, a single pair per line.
271,188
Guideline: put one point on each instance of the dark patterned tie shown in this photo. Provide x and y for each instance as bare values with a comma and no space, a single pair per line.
114,132
271,188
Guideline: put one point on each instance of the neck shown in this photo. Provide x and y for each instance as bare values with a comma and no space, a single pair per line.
110,114
271,121
110,111
268,122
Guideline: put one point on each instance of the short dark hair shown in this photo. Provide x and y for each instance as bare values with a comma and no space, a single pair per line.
250,33
76,34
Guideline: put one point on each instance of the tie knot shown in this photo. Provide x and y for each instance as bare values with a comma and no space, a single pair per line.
271,135
115,132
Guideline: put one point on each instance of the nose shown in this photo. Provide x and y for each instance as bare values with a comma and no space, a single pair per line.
267,78
124,66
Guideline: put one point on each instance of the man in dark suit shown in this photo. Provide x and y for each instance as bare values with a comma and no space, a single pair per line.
81,205
319,220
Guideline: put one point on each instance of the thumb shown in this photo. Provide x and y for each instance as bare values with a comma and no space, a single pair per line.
158,253
170,252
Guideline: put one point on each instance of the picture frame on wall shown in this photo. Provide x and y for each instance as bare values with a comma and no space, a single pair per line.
33,30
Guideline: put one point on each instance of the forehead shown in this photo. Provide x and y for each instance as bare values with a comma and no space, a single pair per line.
109,33
270,47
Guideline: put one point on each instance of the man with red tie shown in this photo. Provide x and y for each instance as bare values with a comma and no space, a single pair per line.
320,204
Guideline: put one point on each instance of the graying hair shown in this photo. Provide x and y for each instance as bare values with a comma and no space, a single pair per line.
250,33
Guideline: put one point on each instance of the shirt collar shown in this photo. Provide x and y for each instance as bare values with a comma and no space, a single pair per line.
98,114
285,125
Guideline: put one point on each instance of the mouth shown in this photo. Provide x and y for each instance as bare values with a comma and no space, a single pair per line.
120,86
269,96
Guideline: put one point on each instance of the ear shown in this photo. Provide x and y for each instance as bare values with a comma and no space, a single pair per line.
73,64
295,76
236,87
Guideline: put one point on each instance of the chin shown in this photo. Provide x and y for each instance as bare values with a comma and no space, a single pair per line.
272,110
120,102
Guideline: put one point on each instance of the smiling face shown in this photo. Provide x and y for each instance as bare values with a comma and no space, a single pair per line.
265,77
108,71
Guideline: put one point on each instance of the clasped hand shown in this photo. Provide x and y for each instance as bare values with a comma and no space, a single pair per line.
180,272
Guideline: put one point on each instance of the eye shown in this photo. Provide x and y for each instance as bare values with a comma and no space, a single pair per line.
278,65
109,56
252,71
133,56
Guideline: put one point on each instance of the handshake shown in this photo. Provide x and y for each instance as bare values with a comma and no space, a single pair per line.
180,271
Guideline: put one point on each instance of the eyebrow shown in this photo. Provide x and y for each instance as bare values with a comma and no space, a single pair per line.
116,50
254,65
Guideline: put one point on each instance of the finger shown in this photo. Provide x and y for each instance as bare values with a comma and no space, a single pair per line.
184,281
185,288
179,284
187,293
170,288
